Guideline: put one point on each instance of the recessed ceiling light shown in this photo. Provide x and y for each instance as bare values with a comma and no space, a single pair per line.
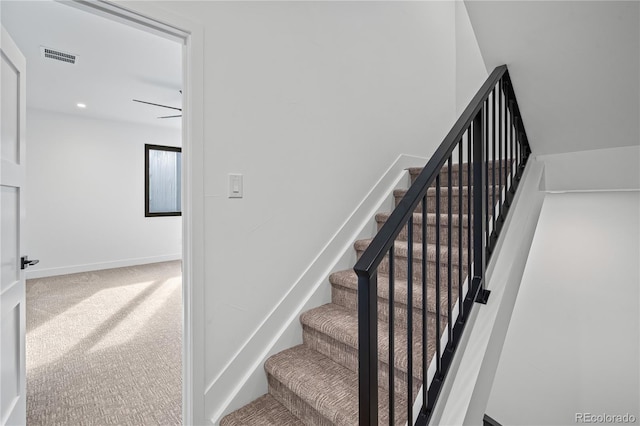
81,105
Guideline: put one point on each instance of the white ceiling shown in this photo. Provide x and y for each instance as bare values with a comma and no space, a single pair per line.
575,67
116,63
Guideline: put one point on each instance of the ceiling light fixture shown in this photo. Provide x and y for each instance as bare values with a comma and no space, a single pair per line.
81,105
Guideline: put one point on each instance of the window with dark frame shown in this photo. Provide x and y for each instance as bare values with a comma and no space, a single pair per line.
162,180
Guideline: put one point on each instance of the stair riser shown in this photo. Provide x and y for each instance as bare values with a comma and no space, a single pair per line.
444,175
310,416
345,355
348,298
455,175
295,404
401,270
431,203
432,234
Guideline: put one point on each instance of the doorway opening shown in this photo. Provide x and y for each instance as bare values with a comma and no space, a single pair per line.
115,323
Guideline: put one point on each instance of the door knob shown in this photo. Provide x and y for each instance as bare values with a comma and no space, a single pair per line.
24,262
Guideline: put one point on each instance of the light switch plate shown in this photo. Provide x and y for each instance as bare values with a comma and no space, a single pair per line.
235,185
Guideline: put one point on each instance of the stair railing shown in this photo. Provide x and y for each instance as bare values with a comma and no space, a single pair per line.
489,131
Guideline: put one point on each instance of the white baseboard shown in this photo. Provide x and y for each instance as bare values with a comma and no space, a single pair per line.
74,269
243,379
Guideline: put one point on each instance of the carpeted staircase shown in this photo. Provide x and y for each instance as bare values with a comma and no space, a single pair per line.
316,383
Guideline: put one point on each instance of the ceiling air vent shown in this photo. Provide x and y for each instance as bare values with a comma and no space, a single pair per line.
58,55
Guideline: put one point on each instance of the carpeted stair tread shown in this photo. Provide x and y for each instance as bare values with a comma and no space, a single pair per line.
264,411
333,320
401,250
328,387
333,331
342,325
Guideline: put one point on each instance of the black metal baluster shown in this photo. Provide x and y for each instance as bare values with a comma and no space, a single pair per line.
449,249
486,173
500,148
518,148
391,335
493,166
368,348
425,335
519,142
479,209
515,148
469,204
514,166
410,319
506,145
460,196
508,181
437,283
513,159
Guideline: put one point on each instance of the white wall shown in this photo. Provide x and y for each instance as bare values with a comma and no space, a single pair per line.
574,65
311,101
601,169
463,398
468,387
470,69
85,199
574,340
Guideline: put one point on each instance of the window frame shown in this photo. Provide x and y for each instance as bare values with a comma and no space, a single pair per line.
147,148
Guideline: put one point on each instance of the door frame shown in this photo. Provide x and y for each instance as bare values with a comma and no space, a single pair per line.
150,18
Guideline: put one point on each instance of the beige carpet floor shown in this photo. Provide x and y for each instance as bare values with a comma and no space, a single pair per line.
104,347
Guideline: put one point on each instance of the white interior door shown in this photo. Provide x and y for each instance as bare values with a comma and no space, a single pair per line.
12,284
